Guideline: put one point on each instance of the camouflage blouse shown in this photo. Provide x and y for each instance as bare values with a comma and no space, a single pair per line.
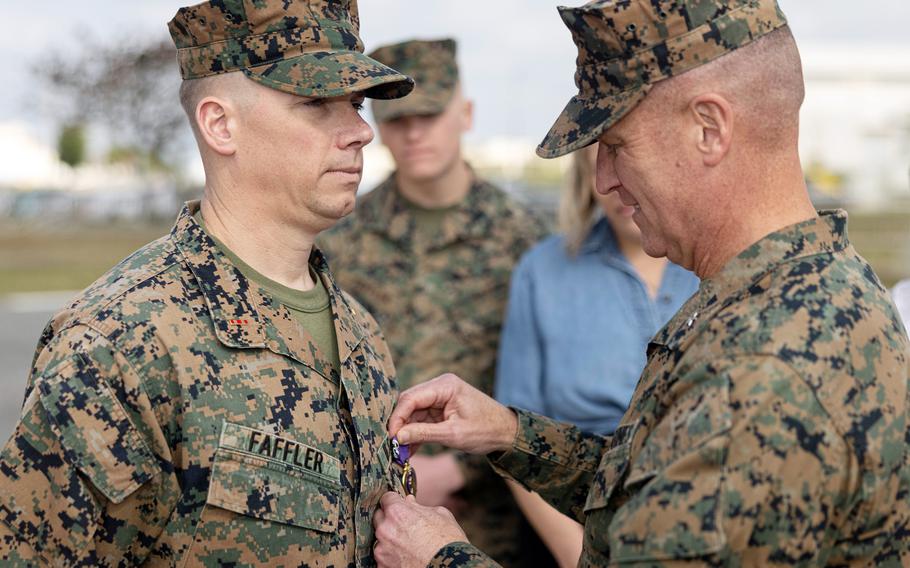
175,415
768,429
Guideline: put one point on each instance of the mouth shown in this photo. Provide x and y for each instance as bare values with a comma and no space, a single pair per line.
351,172
630,206
415,153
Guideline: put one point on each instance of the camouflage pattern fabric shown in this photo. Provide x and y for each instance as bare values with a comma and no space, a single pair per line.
176,416
768,429
432,65
310,48
440,305
624,47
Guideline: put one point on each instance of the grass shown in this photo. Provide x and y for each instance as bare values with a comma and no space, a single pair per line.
883,238
71,258
65,258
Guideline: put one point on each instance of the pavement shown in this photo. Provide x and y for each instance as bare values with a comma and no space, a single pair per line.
23,317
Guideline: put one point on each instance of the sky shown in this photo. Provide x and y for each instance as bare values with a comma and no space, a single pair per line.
517,58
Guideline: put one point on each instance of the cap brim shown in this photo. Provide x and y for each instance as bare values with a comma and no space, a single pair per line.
419,102
325,74
584,120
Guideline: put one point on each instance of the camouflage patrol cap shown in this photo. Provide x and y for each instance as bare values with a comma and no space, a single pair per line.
625,46
432,65
310,48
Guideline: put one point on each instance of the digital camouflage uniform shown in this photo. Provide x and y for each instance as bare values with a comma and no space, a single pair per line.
177,415
769,426
440,302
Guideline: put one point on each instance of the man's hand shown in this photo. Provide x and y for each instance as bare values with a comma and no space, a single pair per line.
451,412
409,534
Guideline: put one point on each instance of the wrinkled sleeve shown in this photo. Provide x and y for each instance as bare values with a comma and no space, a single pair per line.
519,368
555,459
79,484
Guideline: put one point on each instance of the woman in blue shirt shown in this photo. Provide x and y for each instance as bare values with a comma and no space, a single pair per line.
582,307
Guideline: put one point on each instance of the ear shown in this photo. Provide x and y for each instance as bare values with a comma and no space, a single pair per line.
713,118
467,115
216,124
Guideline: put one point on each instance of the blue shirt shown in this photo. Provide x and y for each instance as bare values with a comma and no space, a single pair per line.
576,330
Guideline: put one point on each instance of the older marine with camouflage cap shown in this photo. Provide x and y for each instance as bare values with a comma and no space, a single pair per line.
769,427
215,399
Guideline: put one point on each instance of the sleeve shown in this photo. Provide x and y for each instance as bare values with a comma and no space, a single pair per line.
555,459
79,484
745,467
519,368
462,555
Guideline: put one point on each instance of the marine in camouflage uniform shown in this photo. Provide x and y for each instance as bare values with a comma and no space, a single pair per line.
176,412
770,425
439,296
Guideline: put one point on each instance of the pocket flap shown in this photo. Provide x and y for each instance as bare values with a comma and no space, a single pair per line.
698,416
613,465
269,477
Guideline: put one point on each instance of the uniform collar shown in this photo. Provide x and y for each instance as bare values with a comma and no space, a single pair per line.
390,214
743,275
241,316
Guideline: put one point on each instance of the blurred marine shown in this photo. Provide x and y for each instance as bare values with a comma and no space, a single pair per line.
216,399
770,426
429,252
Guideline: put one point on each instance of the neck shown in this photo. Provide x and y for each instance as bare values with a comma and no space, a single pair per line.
271,246
649,269
446,190
778,199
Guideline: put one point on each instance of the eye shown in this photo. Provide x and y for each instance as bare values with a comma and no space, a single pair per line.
358,105
315,103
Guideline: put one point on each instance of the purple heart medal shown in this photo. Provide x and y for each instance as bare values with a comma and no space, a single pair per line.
401,453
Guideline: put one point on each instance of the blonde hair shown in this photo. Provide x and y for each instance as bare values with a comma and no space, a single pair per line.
577,208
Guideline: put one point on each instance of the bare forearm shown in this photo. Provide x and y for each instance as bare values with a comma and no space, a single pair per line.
562,535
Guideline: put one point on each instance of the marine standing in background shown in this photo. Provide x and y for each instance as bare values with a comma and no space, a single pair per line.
429,252
770,426
216,399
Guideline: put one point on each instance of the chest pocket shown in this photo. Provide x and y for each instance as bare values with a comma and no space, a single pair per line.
260,475
673,506
610,472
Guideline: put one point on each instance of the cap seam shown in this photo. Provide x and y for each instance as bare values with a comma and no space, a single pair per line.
253,36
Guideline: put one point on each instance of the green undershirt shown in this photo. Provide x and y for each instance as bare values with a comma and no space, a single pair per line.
428,222
311,308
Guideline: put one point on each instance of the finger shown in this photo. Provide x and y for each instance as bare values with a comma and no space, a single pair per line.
423,433
380,554
378,518
421,397
389,499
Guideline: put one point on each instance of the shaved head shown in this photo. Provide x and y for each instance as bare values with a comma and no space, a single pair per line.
234,87
763,81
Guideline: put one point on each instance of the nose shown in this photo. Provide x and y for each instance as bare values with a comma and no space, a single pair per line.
607,179
414,127
357,132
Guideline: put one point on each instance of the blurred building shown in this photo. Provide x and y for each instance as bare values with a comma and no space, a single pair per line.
855,124
35,185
